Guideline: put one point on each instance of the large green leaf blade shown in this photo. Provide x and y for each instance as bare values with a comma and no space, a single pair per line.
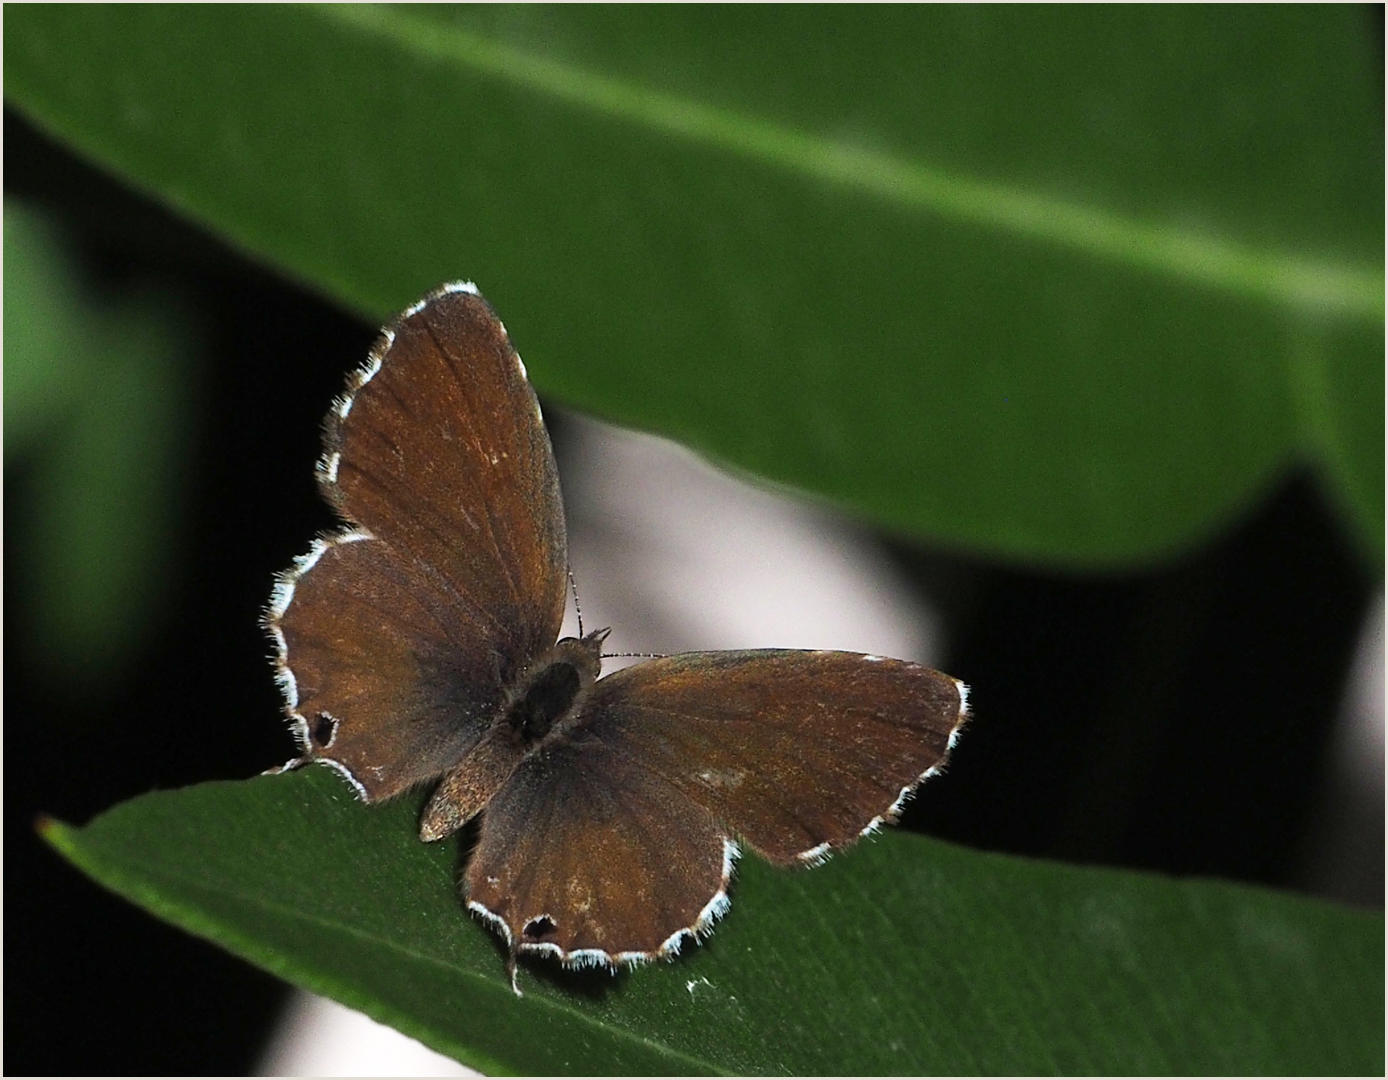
1342,419
1055,317
903,956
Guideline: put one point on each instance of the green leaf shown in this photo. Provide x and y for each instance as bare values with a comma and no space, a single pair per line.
903,956
45,339
99,396
1035,282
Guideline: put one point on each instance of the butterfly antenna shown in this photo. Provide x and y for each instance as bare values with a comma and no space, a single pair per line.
573,587
511,971
641,655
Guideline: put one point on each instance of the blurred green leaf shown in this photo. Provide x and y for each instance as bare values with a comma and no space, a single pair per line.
1035,282
903,956
45,337
98,391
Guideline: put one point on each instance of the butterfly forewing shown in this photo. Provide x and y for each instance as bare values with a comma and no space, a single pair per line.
398,636
795,752
441,452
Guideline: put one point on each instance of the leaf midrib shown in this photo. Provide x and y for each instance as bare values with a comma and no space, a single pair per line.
1325,286
125,877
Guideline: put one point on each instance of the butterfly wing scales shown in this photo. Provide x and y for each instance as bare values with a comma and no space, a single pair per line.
397,637
443,454
795,752
372,669
587,855
616,838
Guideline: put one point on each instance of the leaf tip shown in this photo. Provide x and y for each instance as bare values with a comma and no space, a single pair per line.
52,830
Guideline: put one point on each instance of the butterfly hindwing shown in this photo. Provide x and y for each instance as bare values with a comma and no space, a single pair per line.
614,840
371,668
587,855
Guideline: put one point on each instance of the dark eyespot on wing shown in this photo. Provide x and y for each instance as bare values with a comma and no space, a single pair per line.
538,929
324,728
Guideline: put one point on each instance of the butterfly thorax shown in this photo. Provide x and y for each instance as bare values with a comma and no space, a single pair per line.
538,706
548,690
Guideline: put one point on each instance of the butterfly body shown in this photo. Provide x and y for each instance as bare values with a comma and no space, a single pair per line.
544,701
418,643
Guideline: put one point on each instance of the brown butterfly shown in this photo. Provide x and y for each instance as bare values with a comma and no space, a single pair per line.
418,644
